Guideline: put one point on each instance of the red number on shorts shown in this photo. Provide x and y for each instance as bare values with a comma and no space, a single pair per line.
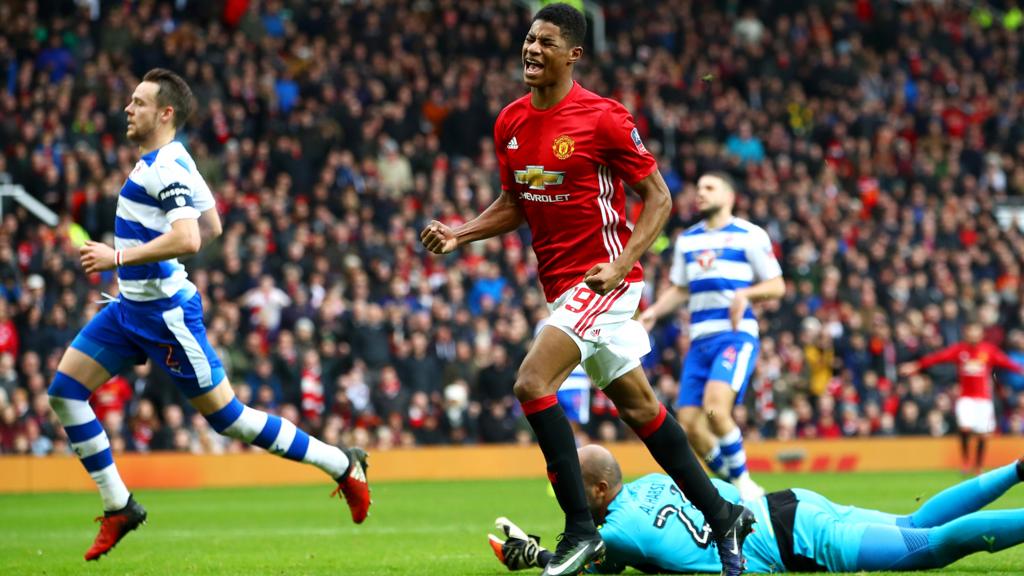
583,296
170,361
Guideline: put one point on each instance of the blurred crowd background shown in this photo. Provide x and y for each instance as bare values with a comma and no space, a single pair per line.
874,141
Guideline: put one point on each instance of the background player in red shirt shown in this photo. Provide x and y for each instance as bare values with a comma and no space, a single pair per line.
563,153
975,413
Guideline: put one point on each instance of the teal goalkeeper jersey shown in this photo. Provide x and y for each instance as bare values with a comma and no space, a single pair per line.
651,526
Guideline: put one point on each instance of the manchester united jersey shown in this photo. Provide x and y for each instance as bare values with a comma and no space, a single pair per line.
974,366
565,166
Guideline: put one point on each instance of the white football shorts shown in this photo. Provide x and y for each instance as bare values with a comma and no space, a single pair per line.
611,343
976,414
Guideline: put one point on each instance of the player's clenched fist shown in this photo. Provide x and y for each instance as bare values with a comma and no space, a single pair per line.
96,257
603,277
438,238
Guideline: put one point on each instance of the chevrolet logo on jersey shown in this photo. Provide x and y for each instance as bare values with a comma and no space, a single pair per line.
538,178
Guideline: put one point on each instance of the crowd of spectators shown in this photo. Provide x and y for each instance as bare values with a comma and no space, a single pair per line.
873,140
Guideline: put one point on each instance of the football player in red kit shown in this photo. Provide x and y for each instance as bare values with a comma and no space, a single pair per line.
975,413
564,153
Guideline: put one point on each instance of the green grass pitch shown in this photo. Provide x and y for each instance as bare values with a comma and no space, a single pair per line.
421,528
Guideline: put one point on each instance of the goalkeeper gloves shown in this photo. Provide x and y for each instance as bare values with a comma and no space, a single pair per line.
519,550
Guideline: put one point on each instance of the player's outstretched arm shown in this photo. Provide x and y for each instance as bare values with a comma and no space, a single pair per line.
182,240
909,369
519,550
999,359
667,301
502,216
947,354
657,206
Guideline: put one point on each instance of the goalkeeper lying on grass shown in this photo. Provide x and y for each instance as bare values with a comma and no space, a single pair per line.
649,525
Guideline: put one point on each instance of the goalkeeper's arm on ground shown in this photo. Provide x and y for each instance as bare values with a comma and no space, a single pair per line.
520,551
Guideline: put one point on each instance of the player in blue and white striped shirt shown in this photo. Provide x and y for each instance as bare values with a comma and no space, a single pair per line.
165,210
721,265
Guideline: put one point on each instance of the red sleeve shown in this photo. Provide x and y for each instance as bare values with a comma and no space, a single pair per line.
621,147
501,152
1001,360
947,354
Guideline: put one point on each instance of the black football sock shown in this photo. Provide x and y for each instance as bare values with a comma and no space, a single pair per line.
668,445
1020,469
554,434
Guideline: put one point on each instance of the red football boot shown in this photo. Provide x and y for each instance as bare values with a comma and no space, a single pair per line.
354,486
114,526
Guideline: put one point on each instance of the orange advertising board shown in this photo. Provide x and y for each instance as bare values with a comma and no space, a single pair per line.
20,474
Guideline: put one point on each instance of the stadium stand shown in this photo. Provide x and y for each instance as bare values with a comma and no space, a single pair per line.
330,132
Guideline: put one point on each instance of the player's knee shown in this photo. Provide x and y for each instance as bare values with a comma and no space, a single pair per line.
524,389
529,386
719,420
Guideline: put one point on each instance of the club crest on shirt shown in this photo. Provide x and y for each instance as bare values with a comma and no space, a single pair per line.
706,259
563,147
973,366
635,135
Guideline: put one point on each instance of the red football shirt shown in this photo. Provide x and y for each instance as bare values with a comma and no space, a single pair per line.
564,166
974,366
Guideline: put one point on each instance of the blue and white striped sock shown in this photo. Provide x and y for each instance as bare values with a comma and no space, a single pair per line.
278,436
70,401
716,462
733,453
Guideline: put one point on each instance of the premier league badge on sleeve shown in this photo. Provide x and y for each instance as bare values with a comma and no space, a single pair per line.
635,135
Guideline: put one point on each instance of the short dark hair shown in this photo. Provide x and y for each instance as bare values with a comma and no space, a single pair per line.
569,20
173,92
725,177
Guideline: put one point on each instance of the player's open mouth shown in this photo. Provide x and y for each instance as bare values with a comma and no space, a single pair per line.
532,67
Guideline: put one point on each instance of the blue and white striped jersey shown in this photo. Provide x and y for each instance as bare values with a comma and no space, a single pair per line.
713,264
164,186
